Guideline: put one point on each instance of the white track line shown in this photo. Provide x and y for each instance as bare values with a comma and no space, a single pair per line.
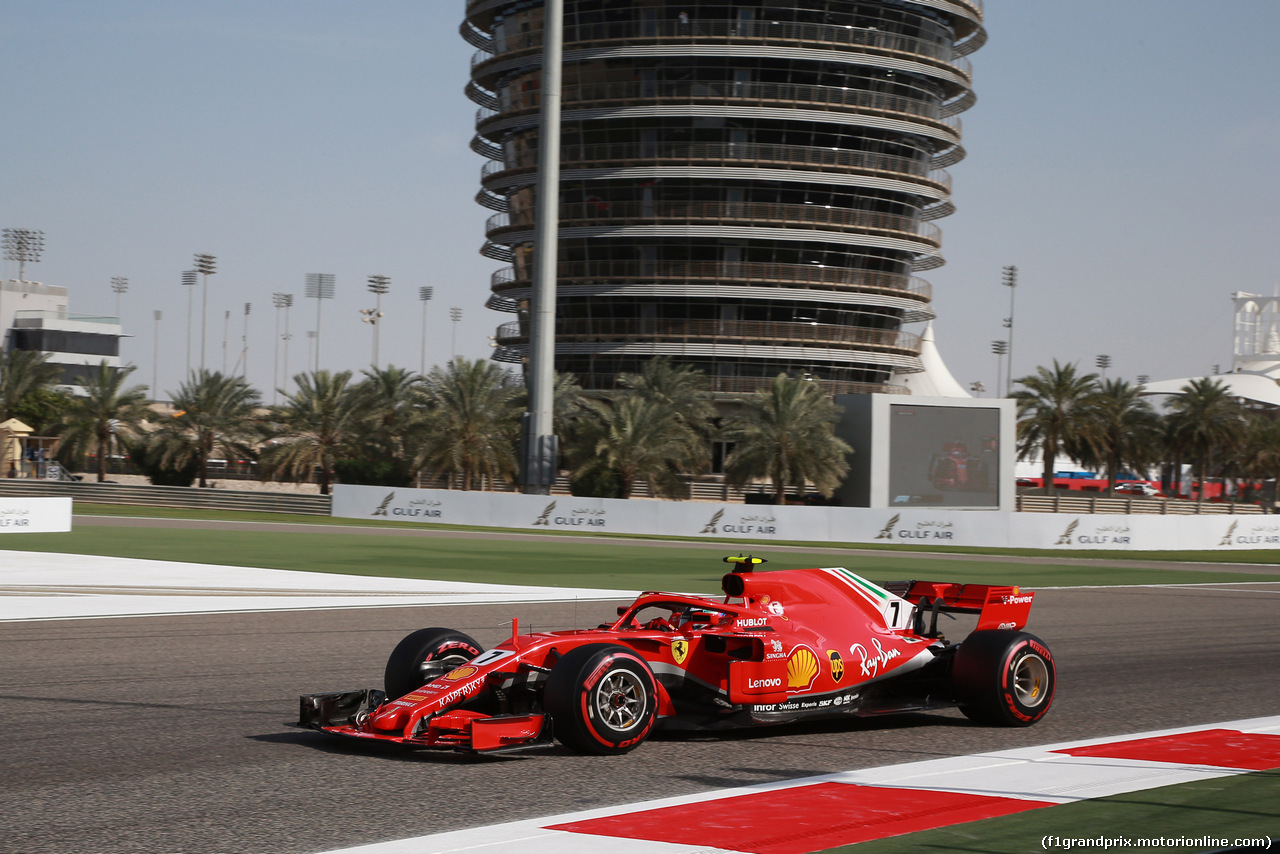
40,586
1034,773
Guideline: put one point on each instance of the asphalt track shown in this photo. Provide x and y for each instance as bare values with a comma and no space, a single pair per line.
171,734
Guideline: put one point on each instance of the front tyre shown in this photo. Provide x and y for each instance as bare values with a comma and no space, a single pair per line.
425,655
602,698
1004,678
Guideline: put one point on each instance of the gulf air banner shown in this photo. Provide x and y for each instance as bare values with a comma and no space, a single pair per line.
730,521
35,515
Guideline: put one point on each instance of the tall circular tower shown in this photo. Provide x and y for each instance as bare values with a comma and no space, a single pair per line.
748,187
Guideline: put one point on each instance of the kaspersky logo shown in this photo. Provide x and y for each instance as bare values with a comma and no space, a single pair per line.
382,508
710,527
545,518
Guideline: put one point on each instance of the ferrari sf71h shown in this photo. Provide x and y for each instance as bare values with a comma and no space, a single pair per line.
779,647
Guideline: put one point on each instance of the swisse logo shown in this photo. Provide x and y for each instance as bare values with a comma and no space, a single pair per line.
775,682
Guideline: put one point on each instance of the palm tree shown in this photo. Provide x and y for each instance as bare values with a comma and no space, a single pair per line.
1204,422
639,438
787,434
213,412
682,388
473,421
1054,414
1125,431
317,422
23,373
390,399
105,410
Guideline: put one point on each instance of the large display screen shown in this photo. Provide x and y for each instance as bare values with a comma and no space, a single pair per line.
943,456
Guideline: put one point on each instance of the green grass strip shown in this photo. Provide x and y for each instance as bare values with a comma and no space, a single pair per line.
1237,807
1264,557
555,561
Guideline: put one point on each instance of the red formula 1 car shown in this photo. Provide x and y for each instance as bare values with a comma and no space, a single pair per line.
781,646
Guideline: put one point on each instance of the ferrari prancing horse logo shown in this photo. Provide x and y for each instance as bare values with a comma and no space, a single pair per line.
680,650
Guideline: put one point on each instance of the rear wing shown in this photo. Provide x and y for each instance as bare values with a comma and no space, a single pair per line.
997,607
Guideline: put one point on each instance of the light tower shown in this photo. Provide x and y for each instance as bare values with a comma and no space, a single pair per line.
281,301
1000,348
1009,278
23,245
424,293
378,286
319,288
189,280
206,266
455,314
120,285
155,355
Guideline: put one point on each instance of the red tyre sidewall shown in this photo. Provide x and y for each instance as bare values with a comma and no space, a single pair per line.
587,710
1009,698
442,650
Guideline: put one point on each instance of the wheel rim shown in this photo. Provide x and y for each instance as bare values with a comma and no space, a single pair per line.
620,699
433,668
1031,681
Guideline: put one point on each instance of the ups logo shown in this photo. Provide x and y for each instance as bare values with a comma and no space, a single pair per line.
837,665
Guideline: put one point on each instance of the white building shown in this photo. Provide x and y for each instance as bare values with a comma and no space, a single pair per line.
34,316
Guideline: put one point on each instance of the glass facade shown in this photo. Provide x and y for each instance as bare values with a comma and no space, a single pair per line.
747,187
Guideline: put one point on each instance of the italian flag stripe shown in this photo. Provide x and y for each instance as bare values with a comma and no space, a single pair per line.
861,583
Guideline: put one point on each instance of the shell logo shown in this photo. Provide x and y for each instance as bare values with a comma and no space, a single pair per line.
802,667
461,673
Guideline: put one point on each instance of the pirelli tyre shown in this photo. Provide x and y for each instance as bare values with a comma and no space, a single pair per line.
1004,678
602,698
425,655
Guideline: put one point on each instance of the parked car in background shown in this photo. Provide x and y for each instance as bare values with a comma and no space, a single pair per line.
1136,487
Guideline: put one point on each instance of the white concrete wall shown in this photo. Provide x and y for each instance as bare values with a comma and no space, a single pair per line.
817,524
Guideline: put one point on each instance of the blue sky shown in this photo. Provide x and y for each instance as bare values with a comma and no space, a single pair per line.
1125,155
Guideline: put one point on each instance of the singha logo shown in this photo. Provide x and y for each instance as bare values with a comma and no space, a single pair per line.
1065,539
545,518
710,527
382,508
1226,538
886,533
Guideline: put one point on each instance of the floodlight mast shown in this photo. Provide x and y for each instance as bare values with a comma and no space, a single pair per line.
319,288
540,452
206,266
280,300
424,293
378,285
1009,279
189,280
23,245
120,285
455,314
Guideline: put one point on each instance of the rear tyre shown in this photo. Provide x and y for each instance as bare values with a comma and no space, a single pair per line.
602,699
1004,678
425,655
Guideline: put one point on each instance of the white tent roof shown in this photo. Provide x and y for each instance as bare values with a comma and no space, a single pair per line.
1259,388
935,380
